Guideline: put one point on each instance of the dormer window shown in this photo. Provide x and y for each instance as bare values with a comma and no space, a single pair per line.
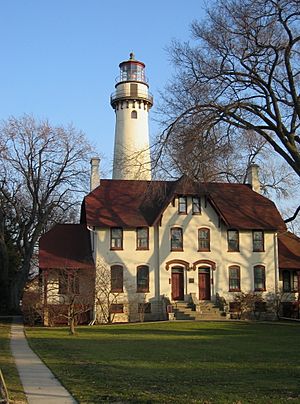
196,205
182,205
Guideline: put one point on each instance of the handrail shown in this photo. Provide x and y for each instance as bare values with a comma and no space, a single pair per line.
124,95
127,77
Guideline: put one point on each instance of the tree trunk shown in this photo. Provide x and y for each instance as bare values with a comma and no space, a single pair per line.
3,266
4,283
72,318
15,293
72,326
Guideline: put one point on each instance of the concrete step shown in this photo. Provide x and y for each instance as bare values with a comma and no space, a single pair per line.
207,311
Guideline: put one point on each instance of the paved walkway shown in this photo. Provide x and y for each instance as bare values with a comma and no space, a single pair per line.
40,385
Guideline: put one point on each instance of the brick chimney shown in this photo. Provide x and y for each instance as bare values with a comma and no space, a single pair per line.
252,177
95,176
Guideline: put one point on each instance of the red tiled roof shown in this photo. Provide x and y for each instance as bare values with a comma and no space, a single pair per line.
129,203
124,203
66,246
245,209
289,251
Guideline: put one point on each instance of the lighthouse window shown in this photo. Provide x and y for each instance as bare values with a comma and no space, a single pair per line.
133,114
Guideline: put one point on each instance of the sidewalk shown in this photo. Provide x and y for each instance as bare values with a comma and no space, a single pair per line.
40,385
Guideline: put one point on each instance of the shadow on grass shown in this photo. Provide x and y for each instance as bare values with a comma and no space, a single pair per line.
174,362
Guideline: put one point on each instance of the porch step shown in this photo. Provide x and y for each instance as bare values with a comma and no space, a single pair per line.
206,311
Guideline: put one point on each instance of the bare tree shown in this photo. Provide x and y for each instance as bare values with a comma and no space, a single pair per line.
242,73
249,305
42,171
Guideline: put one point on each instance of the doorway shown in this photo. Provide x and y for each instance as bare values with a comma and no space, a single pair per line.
177,283
204,283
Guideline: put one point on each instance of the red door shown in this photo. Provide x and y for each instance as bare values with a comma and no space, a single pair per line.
177,285
204,285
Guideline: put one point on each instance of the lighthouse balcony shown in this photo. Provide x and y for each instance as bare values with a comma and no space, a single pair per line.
137,95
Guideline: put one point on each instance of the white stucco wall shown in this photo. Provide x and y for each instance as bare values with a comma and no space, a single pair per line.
159,255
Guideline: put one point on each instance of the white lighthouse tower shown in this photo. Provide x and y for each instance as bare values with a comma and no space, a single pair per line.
132,102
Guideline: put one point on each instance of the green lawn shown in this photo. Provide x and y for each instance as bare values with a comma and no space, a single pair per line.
7,365
178,362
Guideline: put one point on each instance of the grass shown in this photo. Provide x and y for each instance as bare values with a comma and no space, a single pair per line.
180,362
7,365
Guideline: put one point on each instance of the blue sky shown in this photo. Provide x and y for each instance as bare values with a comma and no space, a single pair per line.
59,58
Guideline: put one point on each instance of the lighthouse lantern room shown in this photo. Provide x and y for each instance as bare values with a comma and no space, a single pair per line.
132,102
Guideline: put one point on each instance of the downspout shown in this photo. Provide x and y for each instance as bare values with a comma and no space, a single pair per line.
94,313
276,262
157,263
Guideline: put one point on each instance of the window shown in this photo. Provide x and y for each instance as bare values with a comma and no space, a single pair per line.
259,278
258,240
296,281
176,239
116,308
203,239
182,205
196,205
290,281
116,278
233,240
142,279
286,279
260,306
142,238
116,238
133,86
63,284
234,278
68,283
74,283
133,114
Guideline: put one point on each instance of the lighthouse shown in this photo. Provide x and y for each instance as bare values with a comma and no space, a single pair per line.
131,102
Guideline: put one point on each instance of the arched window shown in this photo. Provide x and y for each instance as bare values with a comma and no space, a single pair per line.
142,278
176,239
203,239
116,278
234,274
133,114
259,278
